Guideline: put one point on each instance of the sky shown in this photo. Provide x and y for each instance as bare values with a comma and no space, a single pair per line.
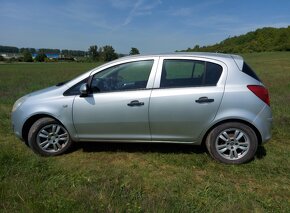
152,26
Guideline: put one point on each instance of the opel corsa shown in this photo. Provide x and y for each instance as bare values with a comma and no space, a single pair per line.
189,98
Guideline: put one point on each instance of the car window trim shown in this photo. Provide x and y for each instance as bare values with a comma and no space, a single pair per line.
150,80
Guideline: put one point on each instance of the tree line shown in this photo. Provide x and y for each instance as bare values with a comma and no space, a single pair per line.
107,53
11,49
260,40
94,53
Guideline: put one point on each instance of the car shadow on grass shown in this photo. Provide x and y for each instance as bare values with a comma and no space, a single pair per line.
261,152
137,147
148,147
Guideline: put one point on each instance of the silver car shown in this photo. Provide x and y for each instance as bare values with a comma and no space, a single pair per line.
189,98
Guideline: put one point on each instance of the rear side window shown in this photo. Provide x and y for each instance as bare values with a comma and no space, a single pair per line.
189,73
248,70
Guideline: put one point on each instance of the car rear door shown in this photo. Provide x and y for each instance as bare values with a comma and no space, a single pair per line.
186,97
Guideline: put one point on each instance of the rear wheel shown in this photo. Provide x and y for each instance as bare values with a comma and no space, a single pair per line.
48,137
232,143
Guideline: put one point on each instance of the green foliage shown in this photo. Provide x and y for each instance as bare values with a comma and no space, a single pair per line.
30,50
14,59
261,40
50,51
108,53
2,58
49,60
114,177
134,51
94,53
40,57
27,57
8,49
73,53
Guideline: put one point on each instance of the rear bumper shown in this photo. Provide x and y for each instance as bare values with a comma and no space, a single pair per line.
263,122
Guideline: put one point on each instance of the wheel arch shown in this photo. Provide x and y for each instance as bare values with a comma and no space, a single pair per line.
30,121
258,134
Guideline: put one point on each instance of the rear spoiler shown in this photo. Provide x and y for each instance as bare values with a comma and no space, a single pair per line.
239,61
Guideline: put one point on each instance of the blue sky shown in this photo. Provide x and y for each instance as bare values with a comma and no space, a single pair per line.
152,26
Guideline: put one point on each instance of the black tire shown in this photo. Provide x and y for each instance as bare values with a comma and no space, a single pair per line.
232,143
48,137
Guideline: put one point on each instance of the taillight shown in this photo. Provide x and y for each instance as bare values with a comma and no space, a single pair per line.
261,92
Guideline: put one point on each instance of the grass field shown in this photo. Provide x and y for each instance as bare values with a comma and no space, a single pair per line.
142,177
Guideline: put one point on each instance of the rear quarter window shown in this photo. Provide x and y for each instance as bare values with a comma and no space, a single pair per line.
213,74
249,71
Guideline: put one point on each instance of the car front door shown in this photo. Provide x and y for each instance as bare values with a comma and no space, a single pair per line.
186,98
117,109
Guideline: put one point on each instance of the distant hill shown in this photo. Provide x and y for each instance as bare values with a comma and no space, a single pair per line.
261,40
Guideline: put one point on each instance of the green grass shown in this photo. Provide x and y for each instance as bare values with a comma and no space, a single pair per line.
104,177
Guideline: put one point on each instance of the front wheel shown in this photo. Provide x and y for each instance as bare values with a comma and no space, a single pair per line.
232,143
48,137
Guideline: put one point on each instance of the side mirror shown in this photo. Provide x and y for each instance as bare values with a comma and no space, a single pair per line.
84,90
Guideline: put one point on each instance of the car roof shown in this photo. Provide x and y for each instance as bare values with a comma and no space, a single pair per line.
217,56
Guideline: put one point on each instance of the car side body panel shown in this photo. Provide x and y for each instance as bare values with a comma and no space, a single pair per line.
176,116
52,104
107,116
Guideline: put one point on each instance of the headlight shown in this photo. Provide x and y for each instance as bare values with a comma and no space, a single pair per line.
18,103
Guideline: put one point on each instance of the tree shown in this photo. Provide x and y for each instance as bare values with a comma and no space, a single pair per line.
108,53
8,49
265,39
40,57
134,51
31,50
51,51
93,52
27,57
196,47
71,53
2,58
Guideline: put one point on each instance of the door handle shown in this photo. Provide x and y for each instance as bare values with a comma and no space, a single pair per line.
204,100
135,103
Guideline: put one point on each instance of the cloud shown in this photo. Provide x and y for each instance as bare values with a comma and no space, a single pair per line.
133,12
213,22
86,14
122,4
141,8
112,16
18,11
182,12
193,8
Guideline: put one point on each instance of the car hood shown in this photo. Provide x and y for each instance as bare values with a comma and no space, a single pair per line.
43,91
47,92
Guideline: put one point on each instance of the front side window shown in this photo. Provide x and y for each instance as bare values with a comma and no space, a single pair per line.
128,76
75,90
189,73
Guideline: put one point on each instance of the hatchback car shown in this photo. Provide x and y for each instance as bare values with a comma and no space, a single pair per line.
189,98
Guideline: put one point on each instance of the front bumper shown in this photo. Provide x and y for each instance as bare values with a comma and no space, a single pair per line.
17,123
